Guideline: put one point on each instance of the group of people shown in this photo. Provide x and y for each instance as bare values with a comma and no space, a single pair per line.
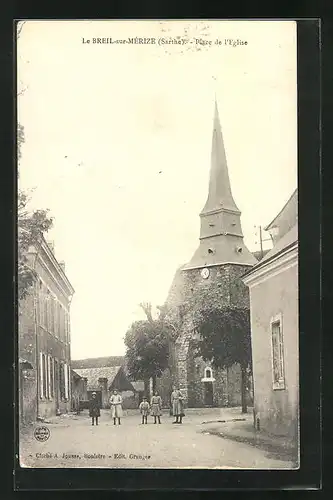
154,408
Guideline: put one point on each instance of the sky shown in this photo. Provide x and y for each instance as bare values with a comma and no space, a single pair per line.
118,143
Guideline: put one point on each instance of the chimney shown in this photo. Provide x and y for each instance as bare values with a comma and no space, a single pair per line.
62,265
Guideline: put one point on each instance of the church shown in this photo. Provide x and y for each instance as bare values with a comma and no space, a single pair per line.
213,275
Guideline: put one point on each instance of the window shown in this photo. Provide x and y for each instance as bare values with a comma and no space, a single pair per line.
52,315
41,378
62,381
277,354
43,375
66,381
66,327
208,373
41,304
47,310
59,311
50,377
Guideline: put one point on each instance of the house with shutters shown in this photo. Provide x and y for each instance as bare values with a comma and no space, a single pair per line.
44,338
273,287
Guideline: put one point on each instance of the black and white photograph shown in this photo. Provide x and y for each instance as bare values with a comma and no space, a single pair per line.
158,310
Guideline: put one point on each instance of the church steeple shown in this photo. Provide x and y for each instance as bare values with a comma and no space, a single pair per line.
219,194
221,236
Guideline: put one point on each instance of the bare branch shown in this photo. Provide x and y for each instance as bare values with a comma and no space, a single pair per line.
147,308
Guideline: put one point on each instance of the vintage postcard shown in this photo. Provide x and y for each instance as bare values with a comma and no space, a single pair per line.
157,244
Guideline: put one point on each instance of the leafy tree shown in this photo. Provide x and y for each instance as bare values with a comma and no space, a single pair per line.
225,339
148,345
31,225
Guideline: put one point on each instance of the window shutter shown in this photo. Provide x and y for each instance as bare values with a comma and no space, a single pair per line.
66,380
41,381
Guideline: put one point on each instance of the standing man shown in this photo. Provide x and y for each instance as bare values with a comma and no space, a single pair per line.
94,409
116,406
177,404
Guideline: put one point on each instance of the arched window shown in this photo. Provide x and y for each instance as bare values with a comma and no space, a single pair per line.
208,373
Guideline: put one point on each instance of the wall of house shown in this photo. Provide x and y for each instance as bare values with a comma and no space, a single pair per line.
27,396
189,294
277,409
79,392
27,350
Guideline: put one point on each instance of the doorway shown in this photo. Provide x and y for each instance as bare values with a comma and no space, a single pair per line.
208,394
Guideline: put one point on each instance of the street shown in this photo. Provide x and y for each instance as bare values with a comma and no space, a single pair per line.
74,442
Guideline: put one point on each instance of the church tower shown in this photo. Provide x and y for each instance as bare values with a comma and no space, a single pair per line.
211,277
221,237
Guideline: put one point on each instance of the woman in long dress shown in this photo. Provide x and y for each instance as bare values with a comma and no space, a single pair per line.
156,407
116,406
177,404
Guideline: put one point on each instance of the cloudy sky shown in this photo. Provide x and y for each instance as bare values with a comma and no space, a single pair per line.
118,140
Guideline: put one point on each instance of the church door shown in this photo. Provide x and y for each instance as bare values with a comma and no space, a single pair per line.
208,393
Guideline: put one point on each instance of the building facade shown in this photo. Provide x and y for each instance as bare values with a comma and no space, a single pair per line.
78,390
213,276
273,286
44,338
105,374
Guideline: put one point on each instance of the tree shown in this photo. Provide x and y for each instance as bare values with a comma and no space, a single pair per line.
148,345
31,225
225,339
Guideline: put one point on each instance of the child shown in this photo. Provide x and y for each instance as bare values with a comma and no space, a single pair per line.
156,407
144,410
94,409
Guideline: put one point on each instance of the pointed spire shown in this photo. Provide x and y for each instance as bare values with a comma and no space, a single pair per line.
221,236
219,195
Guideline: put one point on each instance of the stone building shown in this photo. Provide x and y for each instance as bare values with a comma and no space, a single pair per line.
213,276
44,338
105,374
273,285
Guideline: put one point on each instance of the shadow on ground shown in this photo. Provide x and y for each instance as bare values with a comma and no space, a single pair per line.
274,448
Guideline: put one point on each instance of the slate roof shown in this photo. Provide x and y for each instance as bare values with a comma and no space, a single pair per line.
288,211
109,361
75,374
93,374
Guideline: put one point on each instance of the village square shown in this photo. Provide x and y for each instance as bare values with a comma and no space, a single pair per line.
219,360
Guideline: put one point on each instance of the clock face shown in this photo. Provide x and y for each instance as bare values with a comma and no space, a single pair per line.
205,273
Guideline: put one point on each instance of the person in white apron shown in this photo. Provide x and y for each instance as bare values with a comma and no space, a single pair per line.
116,406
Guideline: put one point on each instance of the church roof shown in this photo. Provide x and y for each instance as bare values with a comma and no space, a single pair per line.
221,236
219,194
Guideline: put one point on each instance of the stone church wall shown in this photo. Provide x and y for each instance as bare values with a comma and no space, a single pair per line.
189,294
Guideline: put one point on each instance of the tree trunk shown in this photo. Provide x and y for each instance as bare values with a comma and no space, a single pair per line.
243,388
